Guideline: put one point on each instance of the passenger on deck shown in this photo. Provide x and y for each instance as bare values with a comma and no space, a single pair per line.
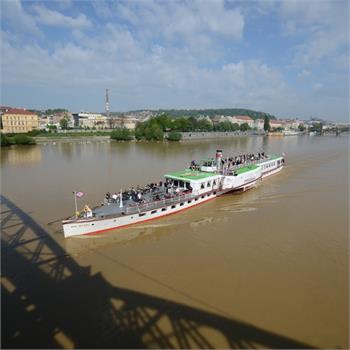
114,197
107,198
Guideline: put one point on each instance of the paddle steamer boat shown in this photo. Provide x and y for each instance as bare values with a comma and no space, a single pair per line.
181,190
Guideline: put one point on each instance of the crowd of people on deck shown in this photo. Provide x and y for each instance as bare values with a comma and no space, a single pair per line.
234,161
164,189
141,195
242,159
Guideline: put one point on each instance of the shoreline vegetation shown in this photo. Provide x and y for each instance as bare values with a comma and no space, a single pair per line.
159,128
17,139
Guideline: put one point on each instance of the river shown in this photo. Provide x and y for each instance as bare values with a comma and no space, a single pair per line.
266,268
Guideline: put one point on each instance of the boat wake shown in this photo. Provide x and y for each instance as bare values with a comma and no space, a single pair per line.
238,210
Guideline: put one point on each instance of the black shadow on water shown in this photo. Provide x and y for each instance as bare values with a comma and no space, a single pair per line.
49,301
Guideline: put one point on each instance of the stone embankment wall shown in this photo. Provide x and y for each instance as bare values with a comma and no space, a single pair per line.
186,136
67,139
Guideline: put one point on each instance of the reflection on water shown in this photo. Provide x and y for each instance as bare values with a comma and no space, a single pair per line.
275,256
21,155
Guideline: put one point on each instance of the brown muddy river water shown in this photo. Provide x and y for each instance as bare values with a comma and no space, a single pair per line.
267,268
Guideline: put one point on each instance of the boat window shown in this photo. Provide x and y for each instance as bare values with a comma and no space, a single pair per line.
182,184
153,211
176,183
202,186
181,204
196,199
214,182
164,209
214,192
203,196
208,184
142,214
173,206
189,202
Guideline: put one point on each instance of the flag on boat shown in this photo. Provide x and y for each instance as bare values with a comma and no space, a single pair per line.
79,194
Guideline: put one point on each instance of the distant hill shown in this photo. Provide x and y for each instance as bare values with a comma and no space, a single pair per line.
210,112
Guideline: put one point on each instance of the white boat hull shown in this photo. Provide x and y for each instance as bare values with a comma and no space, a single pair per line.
93,226
272,172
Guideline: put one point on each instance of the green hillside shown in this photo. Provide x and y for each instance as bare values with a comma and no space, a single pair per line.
212,112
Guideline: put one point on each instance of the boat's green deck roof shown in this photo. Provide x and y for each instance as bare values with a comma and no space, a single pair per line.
274,156
246,169
189,174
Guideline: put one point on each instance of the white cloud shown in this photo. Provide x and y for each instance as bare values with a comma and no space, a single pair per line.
303,74
323,27
18,18
163,77
102,8
57,19
172,54
188,19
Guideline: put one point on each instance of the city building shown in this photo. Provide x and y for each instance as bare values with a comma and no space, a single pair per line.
206,118
258,124
19,120
129,122
242,119
53,120
123,121
88,120
292,124
274,124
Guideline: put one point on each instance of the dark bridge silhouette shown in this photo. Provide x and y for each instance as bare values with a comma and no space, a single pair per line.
49,301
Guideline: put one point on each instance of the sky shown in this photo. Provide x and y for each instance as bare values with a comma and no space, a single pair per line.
287,58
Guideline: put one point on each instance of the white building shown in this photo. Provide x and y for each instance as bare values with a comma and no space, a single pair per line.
90,120
242,119
259,124
274,123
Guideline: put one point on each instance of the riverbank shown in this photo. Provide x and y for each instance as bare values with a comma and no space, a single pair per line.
70,139
186,136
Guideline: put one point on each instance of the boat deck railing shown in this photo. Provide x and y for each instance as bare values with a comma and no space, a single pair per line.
231,169
139,208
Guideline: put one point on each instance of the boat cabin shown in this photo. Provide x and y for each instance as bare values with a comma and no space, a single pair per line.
196,181
209,165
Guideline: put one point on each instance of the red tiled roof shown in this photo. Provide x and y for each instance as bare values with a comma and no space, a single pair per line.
19,111
243,117
277,121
